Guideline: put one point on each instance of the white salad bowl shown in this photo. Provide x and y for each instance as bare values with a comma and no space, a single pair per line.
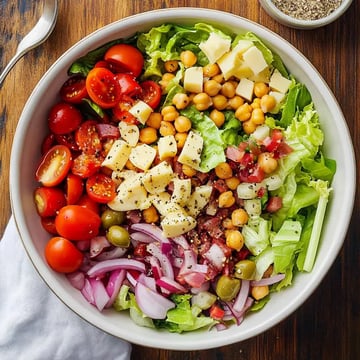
32,128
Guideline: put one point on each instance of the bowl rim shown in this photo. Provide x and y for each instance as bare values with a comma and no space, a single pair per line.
169,342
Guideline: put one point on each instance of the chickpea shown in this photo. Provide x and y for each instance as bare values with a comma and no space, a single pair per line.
227,224
188,170
182,124
249,127
154,120
211,70
223,170
256,103
171,66
202,101
228,89
232,182
217,117
150,215
169,113
180,139
148,135
267,103
212,87
220,102
235,102
260,89
219,78
167,128
243,112
181,101
165,80
259,292
234,239
257,116
226,199
267,162
188,58
239,217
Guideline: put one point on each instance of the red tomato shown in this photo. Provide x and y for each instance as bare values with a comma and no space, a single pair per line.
49,200
101,188
86,165
125,58
62,255
86,202
74,89
67,140
74,188
256,174
216,312
48,223
140,250
87,138
103,88
151,93
121,110
64,118
47,143
274,204
128,84
75,222
54,166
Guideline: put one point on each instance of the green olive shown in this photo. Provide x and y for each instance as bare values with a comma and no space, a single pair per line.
227,287
118,236
245,269
111,217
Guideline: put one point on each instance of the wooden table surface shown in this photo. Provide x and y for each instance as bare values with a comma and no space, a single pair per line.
326,326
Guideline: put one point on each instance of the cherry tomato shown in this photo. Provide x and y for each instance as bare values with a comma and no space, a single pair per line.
151,93
103,88
54,166
62,255
121,110
86,165
67,140
48,143
64,118
128,84
74,89
101,188
48,223
86,202
74,188
216,312
87,138
49,200
125,58
75,222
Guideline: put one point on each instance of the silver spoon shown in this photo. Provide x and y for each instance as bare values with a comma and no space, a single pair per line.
39,33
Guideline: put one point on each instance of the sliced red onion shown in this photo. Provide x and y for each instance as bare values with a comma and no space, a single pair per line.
163,259
181,241
177,262
101,296
97,245
240,300
151,303
83,245
216,256
155,267
115,264
221,326
87,292
131,278
142,237
113,286
195,279
268,281
189,262
171,285
115,253
76,279
204,287
147,281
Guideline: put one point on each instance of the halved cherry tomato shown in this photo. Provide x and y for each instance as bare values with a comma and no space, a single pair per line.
128,84
86,202
125,58
54,166
86,165
74,89
48,223
102,87
67,140
64,118
87,138
75,222
48,143
101,188
74,188
151,93
121,110
62,255
49,200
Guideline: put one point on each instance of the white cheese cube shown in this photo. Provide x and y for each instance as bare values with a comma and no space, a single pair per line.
119,176
198,200
215,47
163,203
278,82
242,71
117,156
254,58
245,89
279,97
193,79
262,76
141,110
182,191
176,224
191,151
129,132
142,156
158,178
167,147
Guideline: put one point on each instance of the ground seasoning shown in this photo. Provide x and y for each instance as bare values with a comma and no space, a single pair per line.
307,9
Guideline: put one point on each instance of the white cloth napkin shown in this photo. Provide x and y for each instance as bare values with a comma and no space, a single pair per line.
35,324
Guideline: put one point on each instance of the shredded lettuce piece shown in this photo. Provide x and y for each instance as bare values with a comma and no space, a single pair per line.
257,235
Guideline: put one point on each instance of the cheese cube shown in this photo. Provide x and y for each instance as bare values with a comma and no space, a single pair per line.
167,147
181,191
254,58
198,200
262,76
142,156
131,195
242,71
193,79
119,176
279,82
176,224
279,97
141,110
191,151
129,132
245,89
215,47
163,203
158,178
117,156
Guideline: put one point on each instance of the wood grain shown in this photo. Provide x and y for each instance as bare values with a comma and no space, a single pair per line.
327,326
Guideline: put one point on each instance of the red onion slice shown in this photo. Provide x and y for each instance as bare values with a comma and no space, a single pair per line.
115,253
268,281
97,245
171,285
142,237
216,256
155,267
87,292
101,297
165,263
76,279
240,300
181,241
113,286
115,264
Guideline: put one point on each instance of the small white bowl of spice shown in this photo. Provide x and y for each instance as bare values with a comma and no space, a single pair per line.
305,14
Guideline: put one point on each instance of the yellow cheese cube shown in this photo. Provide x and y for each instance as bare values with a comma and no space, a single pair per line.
245,89
163,203
182,191
142,156
158,178
191,152
117,156
254,58
198,200
215,47
141,110
130,133
278,82
176,224
167,147
193,79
